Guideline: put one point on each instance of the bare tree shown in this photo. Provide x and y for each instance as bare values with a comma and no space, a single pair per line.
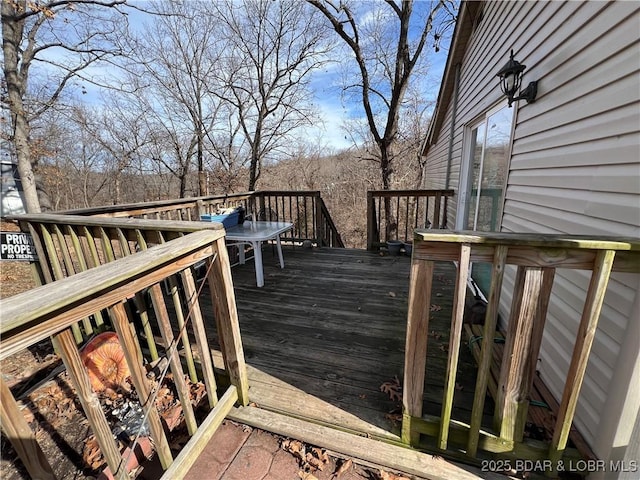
177,60
272,47
387,41
38,34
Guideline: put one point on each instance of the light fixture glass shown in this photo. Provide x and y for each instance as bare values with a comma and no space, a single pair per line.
510,80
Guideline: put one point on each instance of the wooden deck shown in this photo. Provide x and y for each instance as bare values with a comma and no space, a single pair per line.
328,330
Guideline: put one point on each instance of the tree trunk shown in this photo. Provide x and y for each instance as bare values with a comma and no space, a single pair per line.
11,37
202,179
253,176
386,171
25,169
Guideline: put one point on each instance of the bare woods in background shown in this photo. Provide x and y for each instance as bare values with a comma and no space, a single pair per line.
342,178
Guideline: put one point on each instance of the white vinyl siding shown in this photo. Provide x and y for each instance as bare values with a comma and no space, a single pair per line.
575,165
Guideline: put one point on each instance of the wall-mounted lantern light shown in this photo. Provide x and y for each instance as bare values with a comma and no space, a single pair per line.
510,80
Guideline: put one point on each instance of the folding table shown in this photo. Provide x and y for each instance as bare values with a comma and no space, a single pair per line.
254,233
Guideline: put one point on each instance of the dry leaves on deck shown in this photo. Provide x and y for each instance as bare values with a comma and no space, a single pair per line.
307,475
295,448
393,389
390,476
344,466
311,459
317,458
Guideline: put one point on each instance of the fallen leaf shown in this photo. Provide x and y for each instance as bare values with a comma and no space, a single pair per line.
321,454
435,308
392,294
172,416
314,462
306,475
390,476
344,466
362,396
394,392
295,448
394,418
459,387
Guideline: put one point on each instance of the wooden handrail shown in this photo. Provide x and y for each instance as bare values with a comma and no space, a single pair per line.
305,209
51,310
331,237
394,214
68,244
157,206
536,258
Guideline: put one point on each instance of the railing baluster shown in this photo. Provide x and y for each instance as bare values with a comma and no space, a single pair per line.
427,223
171,351
489,330
65,346
16,428
293,220
140,382
584,340
107,248
406,220
80,254
91,243
455,336
141,305
200,333
514,384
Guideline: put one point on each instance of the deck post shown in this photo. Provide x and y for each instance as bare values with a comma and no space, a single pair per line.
436,211
226,313
416,345
371,222
515,381
66,347
18,431
319,226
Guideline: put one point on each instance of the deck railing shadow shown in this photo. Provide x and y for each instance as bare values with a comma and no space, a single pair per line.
51,310
535,258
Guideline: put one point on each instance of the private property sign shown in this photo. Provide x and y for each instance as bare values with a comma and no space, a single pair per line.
17,246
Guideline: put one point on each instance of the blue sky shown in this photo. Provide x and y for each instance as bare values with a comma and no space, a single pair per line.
326,83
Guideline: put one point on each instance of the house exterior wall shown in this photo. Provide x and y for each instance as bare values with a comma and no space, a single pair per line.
575,168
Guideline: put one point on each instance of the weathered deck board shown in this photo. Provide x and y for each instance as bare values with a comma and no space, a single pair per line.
325,332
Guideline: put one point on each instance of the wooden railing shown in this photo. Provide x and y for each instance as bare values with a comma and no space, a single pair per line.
105,291
187,209
69,244
536,258
394,214
305,209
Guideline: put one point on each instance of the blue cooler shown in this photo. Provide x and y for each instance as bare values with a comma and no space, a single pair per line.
228,220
